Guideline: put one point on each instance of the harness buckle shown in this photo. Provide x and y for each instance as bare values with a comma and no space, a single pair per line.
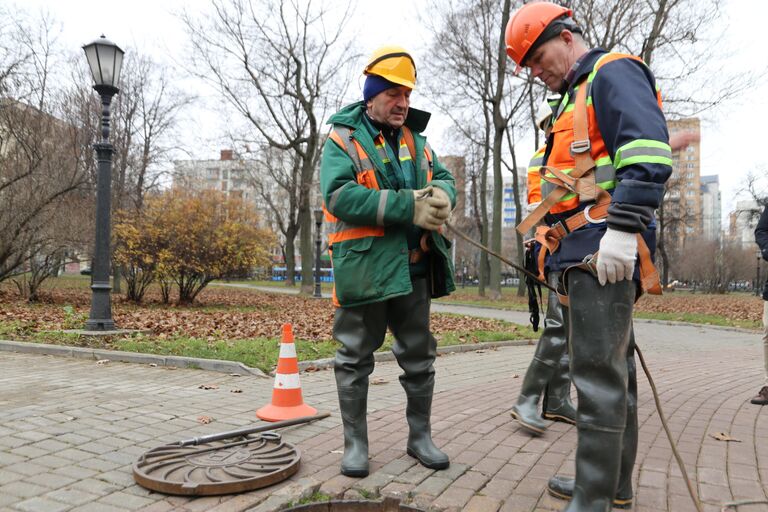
580,146
590,219
562,225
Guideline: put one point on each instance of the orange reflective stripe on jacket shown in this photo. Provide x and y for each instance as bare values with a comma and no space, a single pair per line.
534,179
365,175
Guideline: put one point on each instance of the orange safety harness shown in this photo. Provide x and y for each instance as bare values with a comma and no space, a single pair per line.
581,181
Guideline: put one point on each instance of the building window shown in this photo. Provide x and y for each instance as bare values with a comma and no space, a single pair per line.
224,185
213,173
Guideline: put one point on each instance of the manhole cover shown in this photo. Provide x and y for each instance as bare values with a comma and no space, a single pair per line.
219,467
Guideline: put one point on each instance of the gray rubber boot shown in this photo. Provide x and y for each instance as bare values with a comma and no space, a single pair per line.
526,410
557,404
415,350
600,320
420,444
360,331
544,366
353,403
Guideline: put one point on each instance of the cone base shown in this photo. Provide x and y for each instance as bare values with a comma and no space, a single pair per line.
273,413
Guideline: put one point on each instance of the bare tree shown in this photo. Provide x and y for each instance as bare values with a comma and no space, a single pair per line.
714,265
40,153
282,69
474,90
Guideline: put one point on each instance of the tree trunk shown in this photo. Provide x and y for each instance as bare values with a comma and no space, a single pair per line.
305,242
499,127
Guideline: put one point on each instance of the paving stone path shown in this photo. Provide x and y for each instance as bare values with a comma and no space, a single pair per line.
70,430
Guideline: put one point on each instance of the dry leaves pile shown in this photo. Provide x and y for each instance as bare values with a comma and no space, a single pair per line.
218,313
239,314
732,306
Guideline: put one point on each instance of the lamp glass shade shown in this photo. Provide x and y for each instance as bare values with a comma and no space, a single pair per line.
105,59
318,216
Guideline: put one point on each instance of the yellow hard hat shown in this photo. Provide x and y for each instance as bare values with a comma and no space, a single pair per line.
393,63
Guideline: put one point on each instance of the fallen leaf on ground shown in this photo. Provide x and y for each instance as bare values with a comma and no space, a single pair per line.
515,376
722,436
378,380
235,375
204,419
153,365
481,351
102,361
337,451
235,390
208,386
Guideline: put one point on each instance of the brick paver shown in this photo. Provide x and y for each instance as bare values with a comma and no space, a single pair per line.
70,430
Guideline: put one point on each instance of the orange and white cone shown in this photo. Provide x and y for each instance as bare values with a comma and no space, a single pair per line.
287,402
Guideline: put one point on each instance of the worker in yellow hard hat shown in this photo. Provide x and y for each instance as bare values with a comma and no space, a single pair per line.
386,197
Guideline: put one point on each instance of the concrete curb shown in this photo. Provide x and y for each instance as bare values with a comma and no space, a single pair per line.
323,364
215,365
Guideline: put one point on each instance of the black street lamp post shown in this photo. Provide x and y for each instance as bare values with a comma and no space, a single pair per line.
318,241
757,276
105,59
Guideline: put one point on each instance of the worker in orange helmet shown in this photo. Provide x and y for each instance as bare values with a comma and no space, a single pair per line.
607,159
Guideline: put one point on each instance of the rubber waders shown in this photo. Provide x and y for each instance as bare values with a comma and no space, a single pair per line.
600,320
545,369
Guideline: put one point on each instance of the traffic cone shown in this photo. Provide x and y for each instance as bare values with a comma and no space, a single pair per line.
287,402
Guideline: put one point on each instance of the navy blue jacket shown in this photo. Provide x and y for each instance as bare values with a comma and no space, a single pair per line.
624,98
761,237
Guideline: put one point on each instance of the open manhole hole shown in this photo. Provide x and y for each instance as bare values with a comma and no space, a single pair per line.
385,505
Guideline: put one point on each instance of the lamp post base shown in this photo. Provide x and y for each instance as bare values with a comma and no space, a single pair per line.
106,324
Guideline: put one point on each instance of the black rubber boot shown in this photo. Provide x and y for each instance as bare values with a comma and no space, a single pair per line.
549,351
353,403
562,487
557,404
420,444
600,320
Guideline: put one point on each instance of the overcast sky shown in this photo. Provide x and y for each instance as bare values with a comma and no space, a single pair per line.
731,144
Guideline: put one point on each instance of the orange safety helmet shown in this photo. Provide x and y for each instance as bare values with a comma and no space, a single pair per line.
393,63
527,24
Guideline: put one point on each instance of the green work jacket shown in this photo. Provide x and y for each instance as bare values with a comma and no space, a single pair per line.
375,267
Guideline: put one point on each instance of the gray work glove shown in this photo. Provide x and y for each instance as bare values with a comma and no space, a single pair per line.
429,212
616,259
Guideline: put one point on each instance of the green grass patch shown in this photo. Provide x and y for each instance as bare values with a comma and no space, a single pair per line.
699,318
317,497
14,328
259,353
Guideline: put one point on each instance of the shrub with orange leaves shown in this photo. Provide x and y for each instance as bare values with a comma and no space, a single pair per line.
190,238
